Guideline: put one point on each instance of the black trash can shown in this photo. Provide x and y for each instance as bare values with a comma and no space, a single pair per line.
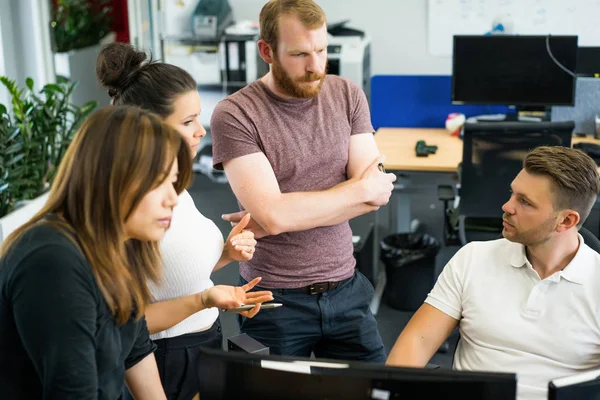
409,260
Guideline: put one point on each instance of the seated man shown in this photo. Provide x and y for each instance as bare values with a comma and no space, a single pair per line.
528,303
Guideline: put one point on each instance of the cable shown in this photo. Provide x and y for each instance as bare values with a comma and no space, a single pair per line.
555,60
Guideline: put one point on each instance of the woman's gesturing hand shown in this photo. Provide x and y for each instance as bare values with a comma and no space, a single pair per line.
227,297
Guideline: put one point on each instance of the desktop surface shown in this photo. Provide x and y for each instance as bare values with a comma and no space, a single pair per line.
398,145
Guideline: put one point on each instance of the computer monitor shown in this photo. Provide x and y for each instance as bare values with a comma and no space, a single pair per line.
582,385
588,61
235,375
514,70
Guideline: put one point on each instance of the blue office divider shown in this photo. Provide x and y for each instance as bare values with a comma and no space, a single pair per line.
418,101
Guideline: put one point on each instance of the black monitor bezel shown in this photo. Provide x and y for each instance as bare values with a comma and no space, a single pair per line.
377,372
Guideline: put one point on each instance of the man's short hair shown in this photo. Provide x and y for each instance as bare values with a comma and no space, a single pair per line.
574,177
307,11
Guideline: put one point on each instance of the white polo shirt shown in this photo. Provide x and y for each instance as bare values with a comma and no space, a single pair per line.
512,321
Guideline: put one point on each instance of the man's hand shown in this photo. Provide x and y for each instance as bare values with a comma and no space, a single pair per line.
379,185
236,218
240,243
227,297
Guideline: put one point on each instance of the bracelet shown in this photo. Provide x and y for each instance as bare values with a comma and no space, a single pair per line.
202,299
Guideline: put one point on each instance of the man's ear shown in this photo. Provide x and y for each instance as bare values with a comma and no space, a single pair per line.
265,51
567,219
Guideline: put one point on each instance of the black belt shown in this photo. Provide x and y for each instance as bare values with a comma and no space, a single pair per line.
322,287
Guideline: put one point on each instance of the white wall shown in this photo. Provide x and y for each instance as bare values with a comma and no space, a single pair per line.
8,35
3,93
398,29
25,35
7,68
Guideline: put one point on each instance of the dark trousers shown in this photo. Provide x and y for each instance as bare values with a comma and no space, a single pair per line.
336,324
176,360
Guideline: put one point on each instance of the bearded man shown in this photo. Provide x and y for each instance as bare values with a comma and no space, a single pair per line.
298,150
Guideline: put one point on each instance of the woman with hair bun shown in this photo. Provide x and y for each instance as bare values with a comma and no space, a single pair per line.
184,313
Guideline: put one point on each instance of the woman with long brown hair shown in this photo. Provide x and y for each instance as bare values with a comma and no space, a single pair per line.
178,319
73,280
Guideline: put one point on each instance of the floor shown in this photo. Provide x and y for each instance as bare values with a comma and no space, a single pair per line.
213,199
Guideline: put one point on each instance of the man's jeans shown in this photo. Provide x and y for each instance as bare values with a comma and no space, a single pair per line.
337,324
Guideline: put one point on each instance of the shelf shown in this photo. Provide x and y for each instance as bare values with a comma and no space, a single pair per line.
192,39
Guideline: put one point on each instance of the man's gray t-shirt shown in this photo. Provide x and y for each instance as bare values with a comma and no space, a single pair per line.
307,142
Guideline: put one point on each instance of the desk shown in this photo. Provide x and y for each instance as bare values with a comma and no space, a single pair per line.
398,145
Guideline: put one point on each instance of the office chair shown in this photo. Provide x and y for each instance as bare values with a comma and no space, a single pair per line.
493,154
590,239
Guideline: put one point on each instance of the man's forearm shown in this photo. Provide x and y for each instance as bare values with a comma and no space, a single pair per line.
255,185
409,351
300,211
422,336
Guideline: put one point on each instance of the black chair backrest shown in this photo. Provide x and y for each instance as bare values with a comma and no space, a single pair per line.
590,239
493,154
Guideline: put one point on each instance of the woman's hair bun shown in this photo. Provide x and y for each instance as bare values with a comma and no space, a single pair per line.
117,65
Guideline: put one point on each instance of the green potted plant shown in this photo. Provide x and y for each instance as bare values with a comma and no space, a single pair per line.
78,24
79,28
34,135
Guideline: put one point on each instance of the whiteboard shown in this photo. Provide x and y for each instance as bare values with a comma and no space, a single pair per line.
447,18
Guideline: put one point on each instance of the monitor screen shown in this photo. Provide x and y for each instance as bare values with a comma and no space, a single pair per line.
514,70
588,61
236,375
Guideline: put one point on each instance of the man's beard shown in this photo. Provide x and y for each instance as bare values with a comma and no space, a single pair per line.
294,87
532,237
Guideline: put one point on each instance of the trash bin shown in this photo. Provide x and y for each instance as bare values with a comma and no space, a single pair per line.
409,260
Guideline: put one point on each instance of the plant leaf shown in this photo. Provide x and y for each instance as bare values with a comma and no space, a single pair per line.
50,88
88,107
15,160
14,148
